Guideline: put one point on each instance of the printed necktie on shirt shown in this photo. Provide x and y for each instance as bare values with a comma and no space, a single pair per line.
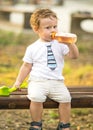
51,62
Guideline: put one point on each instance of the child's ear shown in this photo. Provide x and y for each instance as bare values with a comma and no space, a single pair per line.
35,29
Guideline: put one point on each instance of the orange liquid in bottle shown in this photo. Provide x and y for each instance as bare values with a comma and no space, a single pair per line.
64,37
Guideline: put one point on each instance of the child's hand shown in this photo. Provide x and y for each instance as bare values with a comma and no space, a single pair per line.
73,51
17,86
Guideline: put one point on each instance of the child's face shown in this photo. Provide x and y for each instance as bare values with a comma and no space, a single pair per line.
47,26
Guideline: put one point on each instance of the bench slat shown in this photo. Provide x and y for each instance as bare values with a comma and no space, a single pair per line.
71,89
81,98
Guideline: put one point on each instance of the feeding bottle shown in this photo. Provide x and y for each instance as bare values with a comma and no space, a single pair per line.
64,37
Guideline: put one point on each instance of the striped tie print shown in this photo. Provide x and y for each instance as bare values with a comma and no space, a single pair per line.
51,62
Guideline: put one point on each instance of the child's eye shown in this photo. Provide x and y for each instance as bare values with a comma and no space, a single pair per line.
48,27
55,26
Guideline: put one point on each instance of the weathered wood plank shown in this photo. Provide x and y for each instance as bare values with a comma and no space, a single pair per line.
81,98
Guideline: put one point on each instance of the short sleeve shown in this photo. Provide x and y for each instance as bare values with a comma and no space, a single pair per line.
65,49
28,56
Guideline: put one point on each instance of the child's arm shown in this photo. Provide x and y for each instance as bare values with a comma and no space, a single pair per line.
23,72
73,51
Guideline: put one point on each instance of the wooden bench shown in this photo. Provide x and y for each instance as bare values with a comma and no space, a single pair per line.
82,97
6,11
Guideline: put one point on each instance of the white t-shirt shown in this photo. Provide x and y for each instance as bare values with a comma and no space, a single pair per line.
36,54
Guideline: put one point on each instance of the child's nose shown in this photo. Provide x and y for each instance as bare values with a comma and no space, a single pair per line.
53,29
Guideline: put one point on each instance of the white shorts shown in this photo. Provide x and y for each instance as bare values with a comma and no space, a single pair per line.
39,89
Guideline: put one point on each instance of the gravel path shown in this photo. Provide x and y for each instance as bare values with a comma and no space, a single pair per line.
20,119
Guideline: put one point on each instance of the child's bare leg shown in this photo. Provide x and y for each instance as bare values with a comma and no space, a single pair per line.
64,113
36,109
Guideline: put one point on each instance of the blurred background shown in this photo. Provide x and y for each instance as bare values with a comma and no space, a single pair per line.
16,34
75,16
14,11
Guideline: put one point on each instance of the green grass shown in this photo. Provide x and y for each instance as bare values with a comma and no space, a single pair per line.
10,38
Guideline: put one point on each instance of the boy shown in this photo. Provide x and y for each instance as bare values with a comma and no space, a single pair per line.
46,79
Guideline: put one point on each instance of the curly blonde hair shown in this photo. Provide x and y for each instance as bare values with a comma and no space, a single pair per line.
39,14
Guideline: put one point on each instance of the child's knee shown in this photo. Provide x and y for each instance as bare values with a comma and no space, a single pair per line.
65,106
